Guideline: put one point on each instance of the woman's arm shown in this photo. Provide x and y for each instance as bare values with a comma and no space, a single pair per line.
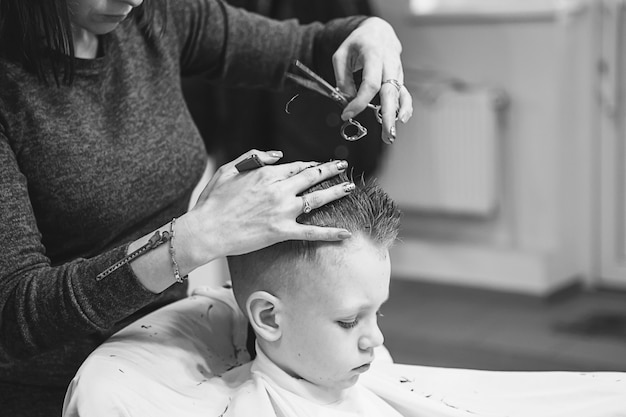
42,305
245,49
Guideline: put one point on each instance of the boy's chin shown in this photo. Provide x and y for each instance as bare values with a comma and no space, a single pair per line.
346,383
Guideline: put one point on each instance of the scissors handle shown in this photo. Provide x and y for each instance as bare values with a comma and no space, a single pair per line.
314,82
377,111
360,130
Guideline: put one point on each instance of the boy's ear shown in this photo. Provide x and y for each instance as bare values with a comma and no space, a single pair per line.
262,310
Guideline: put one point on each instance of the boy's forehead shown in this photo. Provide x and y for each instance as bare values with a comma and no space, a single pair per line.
336,254
339,267
358,246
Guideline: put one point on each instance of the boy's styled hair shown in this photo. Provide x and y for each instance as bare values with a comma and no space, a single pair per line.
38,34
367,211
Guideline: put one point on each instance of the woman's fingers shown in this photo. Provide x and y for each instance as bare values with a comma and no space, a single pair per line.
281,172
305,175
267,157
406,105
241,211
254,159
355,55
296,177
313,200
328,234
374,48
389,101
316,199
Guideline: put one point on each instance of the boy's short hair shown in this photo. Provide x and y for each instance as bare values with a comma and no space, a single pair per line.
367,211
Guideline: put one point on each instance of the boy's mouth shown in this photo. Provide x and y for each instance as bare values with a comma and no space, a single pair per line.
362,368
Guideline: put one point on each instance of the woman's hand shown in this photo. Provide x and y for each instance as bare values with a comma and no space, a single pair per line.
239,212
374,48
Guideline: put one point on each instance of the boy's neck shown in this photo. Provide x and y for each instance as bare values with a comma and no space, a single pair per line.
266,365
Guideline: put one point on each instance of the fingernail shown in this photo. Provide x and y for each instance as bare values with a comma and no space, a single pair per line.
392,133
276,154
348,187
344,234
341,165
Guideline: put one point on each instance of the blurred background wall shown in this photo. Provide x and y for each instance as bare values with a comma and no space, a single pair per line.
511,172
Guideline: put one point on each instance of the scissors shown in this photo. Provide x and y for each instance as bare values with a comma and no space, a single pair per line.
314,82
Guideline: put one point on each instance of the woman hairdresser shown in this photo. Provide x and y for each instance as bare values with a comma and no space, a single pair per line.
98,158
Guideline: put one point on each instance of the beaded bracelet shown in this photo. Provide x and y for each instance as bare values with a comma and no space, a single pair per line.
155,241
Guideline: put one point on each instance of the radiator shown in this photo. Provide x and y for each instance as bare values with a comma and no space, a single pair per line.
445,159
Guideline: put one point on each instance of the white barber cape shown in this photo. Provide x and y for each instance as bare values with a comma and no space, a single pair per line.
189,359
269,391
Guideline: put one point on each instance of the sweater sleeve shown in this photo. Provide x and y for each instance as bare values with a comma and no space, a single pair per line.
246,49
43,306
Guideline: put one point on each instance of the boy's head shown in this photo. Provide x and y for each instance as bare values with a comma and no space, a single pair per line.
314,305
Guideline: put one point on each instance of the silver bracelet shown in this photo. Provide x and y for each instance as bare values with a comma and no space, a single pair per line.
177,276
157,239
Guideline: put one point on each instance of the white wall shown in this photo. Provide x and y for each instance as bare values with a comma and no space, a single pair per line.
542,236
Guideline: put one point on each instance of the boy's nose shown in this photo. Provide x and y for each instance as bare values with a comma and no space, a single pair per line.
371,339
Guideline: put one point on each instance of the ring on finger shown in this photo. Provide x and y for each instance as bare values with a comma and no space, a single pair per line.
393,82
306,206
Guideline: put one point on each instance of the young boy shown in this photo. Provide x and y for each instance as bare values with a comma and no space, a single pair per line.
314,307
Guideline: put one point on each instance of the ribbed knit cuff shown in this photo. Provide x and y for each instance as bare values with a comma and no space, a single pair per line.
116,296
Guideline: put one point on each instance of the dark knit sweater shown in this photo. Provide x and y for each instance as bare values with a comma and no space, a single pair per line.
87,168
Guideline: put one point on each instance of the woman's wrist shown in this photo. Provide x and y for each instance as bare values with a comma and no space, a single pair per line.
191,244
170,260
153,268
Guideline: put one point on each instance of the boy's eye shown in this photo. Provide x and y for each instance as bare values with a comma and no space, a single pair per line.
348,324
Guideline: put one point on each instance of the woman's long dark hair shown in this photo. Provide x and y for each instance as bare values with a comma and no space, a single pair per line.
38,34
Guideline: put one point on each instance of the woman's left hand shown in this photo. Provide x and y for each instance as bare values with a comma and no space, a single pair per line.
374,47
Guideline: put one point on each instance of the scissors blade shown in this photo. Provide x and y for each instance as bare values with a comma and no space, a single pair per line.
316,83
306,83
